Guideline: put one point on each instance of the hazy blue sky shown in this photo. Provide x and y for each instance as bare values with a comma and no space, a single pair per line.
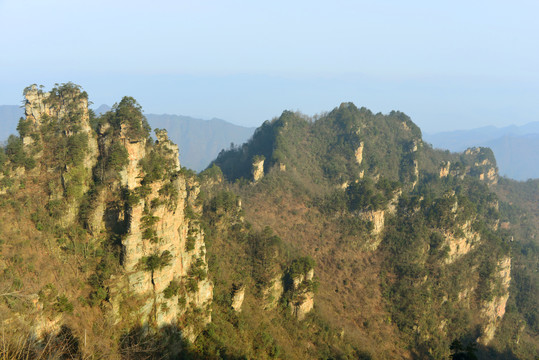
447,64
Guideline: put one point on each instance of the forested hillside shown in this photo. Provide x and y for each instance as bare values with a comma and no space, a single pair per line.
421,231
339,237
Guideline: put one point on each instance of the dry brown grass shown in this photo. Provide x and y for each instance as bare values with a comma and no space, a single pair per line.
16,345
349,296
33,259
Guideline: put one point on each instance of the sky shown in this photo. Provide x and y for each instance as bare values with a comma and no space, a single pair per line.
447,64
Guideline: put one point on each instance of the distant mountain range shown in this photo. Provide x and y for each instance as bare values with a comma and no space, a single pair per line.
515,147
200,141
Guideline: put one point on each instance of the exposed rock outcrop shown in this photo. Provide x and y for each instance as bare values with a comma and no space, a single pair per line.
359,153
258,169
273,292
302,300
300,278
416,174
136,150
237,298
490,176
444,170
46,325
176,243
462,243
392,205
302,305
494,310
376,218
480,164
168,147
66,107
145,200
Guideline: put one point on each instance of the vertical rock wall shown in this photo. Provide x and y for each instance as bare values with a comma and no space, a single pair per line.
258,169
165,272
494,310
178,237
359,153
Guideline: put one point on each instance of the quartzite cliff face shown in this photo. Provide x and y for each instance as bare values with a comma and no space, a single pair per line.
139,195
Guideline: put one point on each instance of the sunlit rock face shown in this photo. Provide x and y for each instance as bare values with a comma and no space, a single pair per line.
359,153
258,170
494,310
273,292
237,299
177,237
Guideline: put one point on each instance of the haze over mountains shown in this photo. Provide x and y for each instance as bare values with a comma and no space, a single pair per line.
201,140
515,147
9,117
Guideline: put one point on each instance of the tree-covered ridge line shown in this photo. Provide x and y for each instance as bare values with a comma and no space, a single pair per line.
348,142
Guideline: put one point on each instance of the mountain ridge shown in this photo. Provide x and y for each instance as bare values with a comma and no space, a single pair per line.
368,182
344,236
506,142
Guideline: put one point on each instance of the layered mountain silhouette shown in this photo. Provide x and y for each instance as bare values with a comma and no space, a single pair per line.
202,140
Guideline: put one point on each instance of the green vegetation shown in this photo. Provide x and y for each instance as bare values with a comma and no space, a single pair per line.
63,305
417,287
147,223
16,154
365,195
117,157
212,173
127,113
422,278
223,201
197,270
172,289
325,149
301,266
155,261
155,165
